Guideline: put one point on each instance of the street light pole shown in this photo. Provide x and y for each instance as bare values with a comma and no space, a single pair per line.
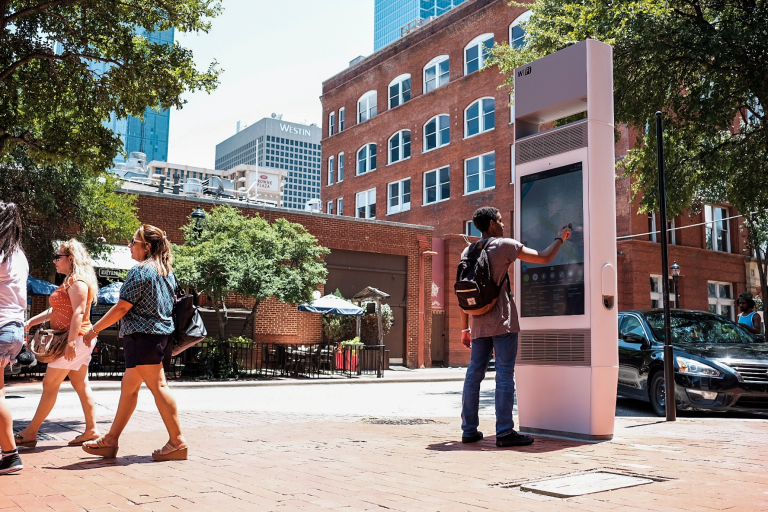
669,369
675,277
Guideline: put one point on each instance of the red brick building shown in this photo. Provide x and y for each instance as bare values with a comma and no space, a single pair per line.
364,253
442,137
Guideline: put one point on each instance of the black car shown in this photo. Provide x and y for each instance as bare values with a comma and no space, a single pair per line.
718,365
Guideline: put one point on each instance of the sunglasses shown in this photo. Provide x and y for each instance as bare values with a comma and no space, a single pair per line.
56,258
134,242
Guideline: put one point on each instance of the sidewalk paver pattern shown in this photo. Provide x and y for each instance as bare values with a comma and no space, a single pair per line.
255,461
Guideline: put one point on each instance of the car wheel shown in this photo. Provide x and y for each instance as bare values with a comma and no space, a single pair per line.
657,394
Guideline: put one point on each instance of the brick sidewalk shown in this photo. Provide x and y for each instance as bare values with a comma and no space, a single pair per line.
251,461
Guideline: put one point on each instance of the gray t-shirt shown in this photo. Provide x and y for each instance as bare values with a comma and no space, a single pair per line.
502,318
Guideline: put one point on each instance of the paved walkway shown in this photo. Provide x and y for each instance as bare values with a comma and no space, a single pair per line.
271,461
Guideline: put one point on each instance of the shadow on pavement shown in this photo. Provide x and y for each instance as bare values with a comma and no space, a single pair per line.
95,463
541,445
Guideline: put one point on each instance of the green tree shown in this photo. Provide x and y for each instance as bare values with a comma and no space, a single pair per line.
54,102
250,257
63,200
700,62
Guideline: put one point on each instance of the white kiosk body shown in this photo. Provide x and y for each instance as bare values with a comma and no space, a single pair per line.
567,363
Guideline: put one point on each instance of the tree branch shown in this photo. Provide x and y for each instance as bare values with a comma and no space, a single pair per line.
72,57
36,9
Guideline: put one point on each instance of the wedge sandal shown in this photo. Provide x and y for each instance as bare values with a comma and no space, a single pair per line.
170,452
98,447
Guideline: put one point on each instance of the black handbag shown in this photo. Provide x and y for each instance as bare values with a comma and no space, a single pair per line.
189,329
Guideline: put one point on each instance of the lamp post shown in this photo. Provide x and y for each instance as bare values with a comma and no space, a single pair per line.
675,277
198,217
669,369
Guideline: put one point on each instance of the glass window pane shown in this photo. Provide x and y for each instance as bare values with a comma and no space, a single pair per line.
430,179
655,285
489,179
489,121
430,78
725,311
444,76
406,88
431,195
406,137
394,95
712,290
445,191
407,191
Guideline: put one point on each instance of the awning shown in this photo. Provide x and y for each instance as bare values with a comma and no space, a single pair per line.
38,287
109,294
331,304
119,259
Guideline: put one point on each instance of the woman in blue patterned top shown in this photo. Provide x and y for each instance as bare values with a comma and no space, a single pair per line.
145,308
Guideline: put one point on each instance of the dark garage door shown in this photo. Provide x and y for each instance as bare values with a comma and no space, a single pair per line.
351,271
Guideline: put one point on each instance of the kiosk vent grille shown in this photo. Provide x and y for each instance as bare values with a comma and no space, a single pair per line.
554,142
566,348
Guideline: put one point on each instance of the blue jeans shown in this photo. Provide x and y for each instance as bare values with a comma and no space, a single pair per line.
505,347
11,340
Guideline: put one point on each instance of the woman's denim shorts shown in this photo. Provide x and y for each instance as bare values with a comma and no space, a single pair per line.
11,340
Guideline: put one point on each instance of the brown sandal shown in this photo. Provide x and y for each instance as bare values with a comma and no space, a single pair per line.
170,452
21,443
98,447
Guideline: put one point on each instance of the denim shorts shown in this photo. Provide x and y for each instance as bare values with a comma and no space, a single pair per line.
11,340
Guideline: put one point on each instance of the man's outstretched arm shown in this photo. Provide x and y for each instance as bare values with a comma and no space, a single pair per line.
548,254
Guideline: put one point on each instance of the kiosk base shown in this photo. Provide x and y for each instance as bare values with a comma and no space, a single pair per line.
569,401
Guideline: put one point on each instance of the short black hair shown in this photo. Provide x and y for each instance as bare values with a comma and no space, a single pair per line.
483,217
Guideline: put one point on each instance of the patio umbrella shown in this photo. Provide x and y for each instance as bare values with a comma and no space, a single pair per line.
110,294
38,287
333,305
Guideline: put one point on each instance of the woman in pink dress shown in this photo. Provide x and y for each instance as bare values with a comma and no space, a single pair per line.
69,311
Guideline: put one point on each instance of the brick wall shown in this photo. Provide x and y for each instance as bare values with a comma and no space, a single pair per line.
277,322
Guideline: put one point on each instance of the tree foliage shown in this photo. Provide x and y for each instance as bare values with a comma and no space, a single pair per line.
702,63
59,201
54,102
250,257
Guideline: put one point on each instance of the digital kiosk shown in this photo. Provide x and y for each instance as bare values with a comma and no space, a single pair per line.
567,364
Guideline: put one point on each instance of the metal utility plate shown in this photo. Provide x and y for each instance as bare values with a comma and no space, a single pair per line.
583,483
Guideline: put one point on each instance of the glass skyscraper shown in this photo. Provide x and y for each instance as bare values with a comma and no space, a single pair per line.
390,16
149,136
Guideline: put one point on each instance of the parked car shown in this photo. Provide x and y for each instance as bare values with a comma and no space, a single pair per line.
718,365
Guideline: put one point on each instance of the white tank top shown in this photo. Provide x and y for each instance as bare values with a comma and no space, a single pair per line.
13,288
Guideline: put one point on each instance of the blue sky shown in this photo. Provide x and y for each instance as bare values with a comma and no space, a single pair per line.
275,56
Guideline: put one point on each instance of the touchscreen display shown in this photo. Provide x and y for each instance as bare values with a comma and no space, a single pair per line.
550,200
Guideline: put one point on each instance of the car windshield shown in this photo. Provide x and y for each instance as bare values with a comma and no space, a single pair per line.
692,327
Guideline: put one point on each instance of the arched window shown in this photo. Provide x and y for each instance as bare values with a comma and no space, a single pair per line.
516,32
400,146
476,53
399,90
437,132
436,73
366,159
479,117
366,106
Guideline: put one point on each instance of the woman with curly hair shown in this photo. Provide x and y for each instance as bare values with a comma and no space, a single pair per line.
70,311
145,307
14,270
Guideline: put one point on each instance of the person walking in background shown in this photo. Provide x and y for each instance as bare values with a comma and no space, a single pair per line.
14,270
145,307
748,318
70,311
497,329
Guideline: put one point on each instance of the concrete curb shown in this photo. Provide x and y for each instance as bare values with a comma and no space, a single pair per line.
36,388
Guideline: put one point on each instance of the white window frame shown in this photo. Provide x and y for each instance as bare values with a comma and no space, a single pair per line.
469,226
438,77
481,116
438,186
481,55
512,164
400,147
340,175
366,196
367,106
342,113
659,295
717,302
436,119
401,206
340,206
331,124
368,167
329,208
712,229
331,170
400,93
518,21
652,229
481,174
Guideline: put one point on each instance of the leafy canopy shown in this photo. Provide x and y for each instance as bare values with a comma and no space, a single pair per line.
250,257
60,201
54,102
701,62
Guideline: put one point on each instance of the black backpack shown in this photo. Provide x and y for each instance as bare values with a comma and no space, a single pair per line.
475,288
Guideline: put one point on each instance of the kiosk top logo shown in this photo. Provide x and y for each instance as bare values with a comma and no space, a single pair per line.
525,71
